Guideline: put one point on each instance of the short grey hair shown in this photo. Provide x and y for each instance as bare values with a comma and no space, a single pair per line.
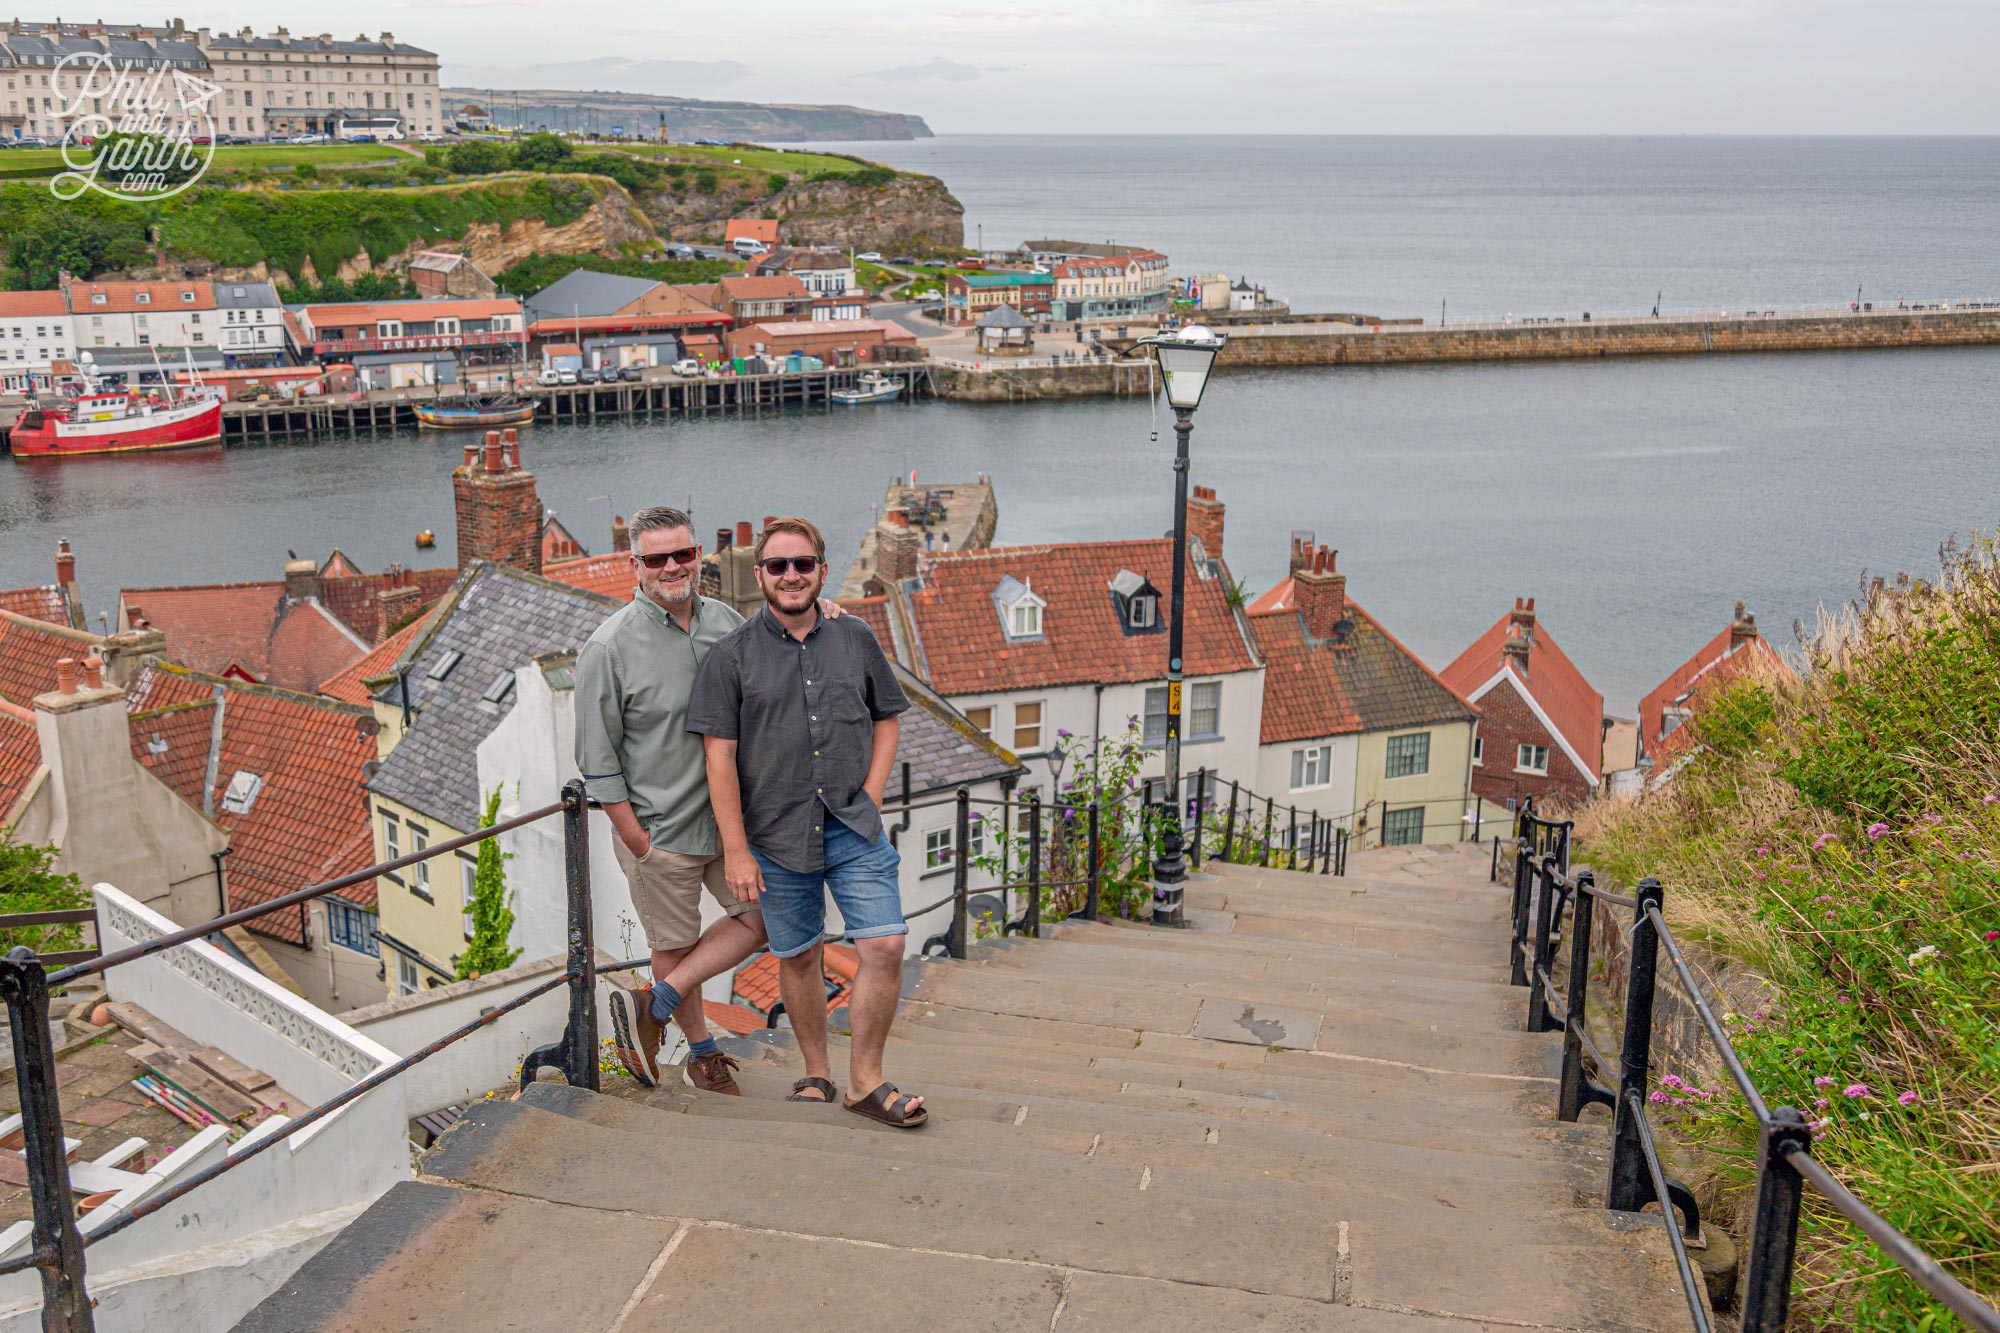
657,518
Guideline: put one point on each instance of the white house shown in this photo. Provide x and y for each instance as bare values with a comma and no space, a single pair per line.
34,333
158,315
253,323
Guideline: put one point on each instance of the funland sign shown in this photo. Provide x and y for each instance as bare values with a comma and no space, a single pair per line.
134,133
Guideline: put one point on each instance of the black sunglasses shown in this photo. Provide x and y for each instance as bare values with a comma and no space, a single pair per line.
799,564
687,555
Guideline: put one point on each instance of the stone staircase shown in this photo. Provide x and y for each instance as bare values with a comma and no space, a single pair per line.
1314,1110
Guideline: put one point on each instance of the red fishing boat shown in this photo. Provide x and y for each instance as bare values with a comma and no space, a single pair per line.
125,421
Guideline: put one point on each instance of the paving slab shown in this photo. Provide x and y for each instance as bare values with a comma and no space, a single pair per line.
1257,1025
1096,1303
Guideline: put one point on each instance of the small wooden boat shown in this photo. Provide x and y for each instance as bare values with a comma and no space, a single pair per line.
476,414
875,387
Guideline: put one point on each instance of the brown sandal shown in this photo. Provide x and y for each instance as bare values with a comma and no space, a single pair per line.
823,1086
885,1106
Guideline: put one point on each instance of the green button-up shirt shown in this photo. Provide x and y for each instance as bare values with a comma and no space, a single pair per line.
633,681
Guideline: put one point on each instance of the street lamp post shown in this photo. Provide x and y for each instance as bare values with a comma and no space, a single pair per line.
1185,355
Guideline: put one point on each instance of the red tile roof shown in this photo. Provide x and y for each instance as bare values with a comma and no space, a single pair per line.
964,650
309,820
609,575
874,612
251,626
123,297
732,1018
757,983
20,756
338,566
27,305
757,229
1569,706
29,651
348,684
1718,660
747,287
1373,683
49,602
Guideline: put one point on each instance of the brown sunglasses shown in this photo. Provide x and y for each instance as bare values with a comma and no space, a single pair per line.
687,555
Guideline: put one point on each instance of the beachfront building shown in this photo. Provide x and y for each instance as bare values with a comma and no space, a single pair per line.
967,296
1126,286
1541,725
34,335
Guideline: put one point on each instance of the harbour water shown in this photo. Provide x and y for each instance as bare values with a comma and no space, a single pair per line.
1636,500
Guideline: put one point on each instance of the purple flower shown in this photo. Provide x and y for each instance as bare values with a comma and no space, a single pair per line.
1061,734
1907,1098
1673,1081
1763,851
1857,1090
1659,1097
1823,1081
1819,843
1878,831
1819,1103
1989,799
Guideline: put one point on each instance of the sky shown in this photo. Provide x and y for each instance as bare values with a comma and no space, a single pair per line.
1245,66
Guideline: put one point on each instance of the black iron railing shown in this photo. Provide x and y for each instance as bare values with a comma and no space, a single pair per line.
1544,889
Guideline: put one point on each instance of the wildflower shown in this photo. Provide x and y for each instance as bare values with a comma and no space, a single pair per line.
1823,898
1993,934
1819,1103
1798,1050
1763,851
1924,954
1657,1097
1819,843
1857,1091
1907,1097
1823,1081
1829,916
1673,1081
1877,831
1989,799
1061,734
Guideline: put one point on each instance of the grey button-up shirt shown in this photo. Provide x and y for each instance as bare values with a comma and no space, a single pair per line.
634,678
803,715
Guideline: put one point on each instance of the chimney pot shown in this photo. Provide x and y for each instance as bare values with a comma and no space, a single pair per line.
743,537
301,580
494,461
93,672
512,439
471,455
621,536
65,563
66,675
767,521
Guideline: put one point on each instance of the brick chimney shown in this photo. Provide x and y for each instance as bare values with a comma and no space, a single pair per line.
1204,520
621,536
301,580
1302,549
896,546
395,600
727,573
65,566
127,654
1520,634
1321,593
499,514
1742,629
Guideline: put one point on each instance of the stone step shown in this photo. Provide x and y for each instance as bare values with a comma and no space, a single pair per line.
1283,1243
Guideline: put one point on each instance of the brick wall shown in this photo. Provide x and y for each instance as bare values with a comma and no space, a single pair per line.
1505,722
499,516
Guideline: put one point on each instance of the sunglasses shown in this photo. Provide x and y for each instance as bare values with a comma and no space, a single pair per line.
799,564
687,555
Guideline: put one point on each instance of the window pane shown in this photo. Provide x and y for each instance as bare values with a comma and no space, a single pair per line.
1403,828
1409,755
1298,769
981,718
1204,711
1027,726
1156,716
937,848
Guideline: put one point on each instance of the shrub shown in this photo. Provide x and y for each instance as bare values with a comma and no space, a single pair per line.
705,181
478,157
541,152
777,183
491,908
28,883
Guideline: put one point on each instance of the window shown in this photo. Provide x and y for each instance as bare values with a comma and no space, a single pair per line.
1478,749
392,842
1403,828
981,718
406,975
1408,755
1312,767
1205,710
1024,620
1023,820
1155,732
937,848
1145,612
352,927
468,877
420,873
975,837
1531,758
1027,727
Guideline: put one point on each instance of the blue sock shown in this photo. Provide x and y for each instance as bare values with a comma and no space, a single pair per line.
665,1000
702,1049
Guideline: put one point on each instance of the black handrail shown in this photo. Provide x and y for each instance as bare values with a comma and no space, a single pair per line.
1784,1157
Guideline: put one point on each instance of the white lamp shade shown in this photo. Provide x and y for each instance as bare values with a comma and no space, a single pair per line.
1186,356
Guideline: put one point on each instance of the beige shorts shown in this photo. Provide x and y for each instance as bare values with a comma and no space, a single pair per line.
666,892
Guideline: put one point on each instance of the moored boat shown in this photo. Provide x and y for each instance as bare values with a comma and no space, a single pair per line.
485,413
874,387
122,422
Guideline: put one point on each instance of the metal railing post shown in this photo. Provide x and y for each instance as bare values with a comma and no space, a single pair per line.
1293,839
1033,918
1631,1187
1774,1225
1270,818
955,937
1229,826
57,1246
1200,817
1573,1082
1094,878
1517,935
576,1053
1539,1017
1327,834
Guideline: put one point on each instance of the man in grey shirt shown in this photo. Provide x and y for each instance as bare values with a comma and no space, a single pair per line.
799,720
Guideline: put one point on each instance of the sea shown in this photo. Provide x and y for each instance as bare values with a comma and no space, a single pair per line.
1636,501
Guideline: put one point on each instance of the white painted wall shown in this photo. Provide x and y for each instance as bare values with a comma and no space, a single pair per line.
1335,800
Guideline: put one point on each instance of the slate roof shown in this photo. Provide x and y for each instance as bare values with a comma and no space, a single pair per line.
245,296
586,293
498,619
959,644
251,626
29,651
1003,317
1373,683
1717,660
309,819
941,747
1553,682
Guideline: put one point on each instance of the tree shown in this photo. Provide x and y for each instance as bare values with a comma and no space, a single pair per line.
477,157
491,910
541,152
27,884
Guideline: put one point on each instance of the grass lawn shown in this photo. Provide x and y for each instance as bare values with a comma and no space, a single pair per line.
241,157
751,159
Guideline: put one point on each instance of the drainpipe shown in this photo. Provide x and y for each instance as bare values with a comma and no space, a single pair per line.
221,888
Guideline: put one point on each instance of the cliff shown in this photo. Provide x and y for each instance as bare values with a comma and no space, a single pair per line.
864,212
687,118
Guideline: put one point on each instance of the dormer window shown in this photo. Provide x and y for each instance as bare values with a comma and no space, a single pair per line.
143,298
187,298
1143,612
1020,609
1136,601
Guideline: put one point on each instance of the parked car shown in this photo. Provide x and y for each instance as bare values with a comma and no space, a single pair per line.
632,374
689,367
902,259
548,379
929,294
565,377
747,248
361,138
679,251
586,376
872,256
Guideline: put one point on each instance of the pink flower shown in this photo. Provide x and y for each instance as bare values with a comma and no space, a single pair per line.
1823,1081
1819,1103
1658,1097
1989,799
1819,843
1857,1090
1993,934
1907,1098
1878,831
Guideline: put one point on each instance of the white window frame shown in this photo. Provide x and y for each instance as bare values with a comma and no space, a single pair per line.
1145,612
1312,767
987,730
420,873
408,982
1041,707
468,874
1479,752
392,841
1212,690
938,848
1024,619
1525,756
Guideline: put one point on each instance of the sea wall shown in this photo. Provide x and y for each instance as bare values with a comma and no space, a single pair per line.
998,382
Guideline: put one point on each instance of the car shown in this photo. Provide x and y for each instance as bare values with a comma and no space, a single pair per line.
566,377
931,294
690,368
31,141
361,138
587,375
632,374
902,259
679,251
872,256
548,379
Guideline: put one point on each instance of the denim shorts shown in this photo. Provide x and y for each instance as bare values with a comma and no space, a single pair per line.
861,875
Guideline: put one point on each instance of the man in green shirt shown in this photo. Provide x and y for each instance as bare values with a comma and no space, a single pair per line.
633,680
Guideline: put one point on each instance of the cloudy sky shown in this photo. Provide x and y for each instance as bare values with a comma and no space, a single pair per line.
1247,66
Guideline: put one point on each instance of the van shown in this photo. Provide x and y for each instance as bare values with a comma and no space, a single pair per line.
747,246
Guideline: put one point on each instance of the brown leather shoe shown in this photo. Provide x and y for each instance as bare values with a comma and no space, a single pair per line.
710,1073
637,1033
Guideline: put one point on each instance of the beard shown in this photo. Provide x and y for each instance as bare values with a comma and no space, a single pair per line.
660,590
794,601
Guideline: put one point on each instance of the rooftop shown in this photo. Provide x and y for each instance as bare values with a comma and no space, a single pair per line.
1736,650
250,629
1569,707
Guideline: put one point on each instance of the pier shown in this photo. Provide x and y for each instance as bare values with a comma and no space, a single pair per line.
942,515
